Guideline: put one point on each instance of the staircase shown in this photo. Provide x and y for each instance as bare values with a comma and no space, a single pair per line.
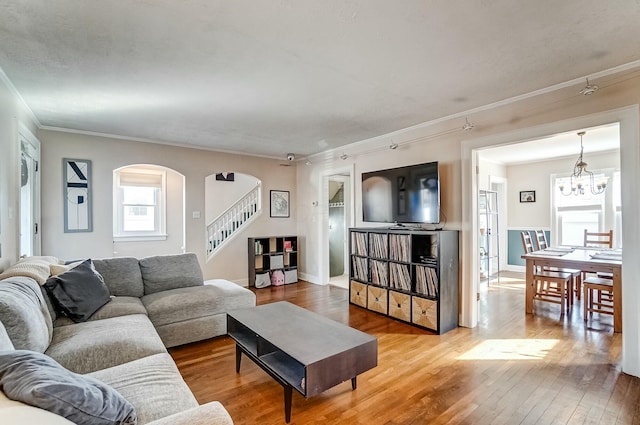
234,218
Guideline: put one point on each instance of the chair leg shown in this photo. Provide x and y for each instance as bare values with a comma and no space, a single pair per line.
585,301
563,296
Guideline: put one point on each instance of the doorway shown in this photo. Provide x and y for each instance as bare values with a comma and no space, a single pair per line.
337,191
630,172
29,194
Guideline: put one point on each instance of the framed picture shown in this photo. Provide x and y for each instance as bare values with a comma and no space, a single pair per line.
279,203
528,196
76,187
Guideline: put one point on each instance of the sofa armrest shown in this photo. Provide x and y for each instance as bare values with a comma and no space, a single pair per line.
211,413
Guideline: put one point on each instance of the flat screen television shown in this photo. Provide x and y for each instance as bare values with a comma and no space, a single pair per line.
402,195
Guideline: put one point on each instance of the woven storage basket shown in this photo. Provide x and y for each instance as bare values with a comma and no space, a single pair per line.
425,313
400,306
377,299
359,293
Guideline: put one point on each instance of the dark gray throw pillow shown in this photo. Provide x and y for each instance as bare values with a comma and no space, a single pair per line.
78,292
36,379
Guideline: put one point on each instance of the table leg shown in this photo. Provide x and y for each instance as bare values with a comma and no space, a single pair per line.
529,288
617,299
238,358
354,383
287,402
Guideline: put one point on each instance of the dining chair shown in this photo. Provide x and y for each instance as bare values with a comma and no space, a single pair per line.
598,296
541,239
576,275
598,239
551,285
601,239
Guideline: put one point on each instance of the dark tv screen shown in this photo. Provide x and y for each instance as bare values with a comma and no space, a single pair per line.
404,195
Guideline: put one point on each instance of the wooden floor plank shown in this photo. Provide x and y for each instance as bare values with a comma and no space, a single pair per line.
511,369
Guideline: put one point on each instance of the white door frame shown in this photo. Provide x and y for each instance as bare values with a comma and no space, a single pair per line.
26,137
502,216
628,117
323,231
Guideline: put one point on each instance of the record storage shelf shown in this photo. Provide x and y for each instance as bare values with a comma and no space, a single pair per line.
409,275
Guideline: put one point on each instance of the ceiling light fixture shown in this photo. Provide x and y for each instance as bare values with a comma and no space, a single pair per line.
393,146
467,125
589,89
308,162
581,177
344,156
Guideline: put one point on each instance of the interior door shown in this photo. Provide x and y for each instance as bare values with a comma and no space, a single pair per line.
29,196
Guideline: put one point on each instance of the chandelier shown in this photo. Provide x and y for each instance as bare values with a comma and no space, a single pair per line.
582,177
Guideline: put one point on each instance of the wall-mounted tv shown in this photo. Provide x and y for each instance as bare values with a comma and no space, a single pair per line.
402,195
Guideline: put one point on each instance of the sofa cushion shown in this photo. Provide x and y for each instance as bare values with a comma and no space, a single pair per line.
152,384
98,344
5,341
177,305
119,306
180,333
121,275
38,380
215,297
165,272
78,292
212,413
17,413
24,314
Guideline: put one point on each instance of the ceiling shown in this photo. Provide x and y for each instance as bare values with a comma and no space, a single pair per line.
277,76
597,139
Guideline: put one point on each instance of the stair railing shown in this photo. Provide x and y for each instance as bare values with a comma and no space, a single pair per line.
229,222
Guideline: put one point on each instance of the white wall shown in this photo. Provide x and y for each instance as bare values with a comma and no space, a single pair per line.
219,195
488,169
108,154
537,176
12,114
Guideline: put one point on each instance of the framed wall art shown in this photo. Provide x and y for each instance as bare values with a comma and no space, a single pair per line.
77,199
528,196
279,203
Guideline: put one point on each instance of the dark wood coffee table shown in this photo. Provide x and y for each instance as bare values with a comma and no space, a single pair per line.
300,349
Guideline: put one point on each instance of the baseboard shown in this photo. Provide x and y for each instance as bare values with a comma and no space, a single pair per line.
514,268
310,278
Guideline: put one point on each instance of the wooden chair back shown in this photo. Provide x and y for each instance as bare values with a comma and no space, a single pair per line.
527,243
541,239
598,238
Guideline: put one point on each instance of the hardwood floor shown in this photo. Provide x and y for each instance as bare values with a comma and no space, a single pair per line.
511,369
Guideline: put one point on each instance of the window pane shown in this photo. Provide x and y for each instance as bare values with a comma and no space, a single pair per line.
573,224
139,195
139,219
577,200
617,202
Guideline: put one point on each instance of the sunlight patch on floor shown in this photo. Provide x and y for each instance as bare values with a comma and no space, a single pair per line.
510,349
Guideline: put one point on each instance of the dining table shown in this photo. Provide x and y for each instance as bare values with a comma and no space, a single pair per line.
582,258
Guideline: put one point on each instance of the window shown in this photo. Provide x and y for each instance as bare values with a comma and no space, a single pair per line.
139,199
596,213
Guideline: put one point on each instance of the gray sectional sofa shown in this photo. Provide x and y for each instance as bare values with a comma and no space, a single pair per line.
156,302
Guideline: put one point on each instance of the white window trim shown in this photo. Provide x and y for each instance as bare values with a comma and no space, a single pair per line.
120,235
601,208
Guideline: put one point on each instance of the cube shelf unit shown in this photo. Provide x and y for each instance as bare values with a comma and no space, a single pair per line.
409,275
270,253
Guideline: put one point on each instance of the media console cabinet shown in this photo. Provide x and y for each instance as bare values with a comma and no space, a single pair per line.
410,275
